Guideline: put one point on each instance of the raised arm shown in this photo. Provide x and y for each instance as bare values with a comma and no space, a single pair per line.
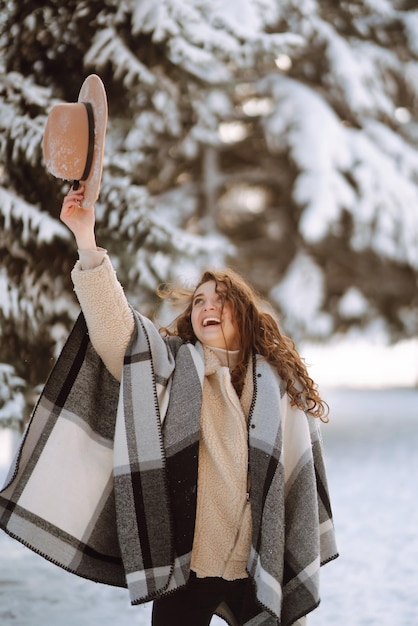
108,315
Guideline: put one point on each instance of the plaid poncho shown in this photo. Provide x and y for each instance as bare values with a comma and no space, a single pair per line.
104,484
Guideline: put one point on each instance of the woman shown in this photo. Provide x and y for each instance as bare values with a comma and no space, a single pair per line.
216,494
224,317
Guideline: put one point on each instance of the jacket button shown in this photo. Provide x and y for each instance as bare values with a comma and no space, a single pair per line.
252,425
258,375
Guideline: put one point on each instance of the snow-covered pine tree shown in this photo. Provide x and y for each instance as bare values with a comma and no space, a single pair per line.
165,67
345,119
276,136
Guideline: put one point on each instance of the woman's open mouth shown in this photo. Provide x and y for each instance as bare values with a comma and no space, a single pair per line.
211,321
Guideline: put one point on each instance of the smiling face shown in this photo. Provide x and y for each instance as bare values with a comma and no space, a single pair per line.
211,318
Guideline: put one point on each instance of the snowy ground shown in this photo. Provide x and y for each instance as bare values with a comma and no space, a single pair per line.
371,452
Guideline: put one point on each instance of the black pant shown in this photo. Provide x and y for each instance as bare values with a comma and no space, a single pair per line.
195,604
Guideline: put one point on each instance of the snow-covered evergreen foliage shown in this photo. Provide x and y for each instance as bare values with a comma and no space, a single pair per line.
277,137
12,399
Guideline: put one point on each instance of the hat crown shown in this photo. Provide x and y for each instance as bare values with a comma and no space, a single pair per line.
66,141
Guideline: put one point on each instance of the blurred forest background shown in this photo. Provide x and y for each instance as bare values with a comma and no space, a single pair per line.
277,137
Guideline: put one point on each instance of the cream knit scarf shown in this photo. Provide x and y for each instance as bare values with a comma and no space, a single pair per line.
223,517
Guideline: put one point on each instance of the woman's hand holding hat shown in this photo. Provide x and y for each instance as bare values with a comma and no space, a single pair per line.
79,220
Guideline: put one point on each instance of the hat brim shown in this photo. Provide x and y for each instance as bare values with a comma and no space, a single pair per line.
92,91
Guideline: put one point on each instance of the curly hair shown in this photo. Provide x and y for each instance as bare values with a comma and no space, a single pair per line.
258,333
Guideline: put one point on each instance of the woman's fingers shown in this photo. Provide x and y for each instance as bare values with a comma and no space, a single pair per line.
72,207
72,202
75,195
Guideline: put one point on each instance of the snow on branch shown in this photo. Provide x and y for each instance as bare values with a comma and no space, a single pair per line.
203,37
386,199
410,22
360,70
370,173
12,399
108,48
304,125
299,296
22,118
22,90
197,61
156,245
35,224
145,15
26,135
10,306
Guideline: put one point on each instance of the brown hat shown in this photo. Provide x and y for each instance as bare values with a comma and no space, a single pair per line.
74,137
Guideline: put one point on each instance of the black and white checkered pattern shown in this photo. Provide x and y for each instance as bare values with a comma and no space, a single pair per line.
105,481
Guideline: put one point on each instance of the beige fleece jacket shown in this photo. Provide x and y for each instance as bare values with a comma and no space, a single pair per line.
109,318
223,516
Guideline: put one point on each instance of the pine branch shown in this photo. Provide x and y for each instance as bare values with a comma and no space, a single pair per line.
108,49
